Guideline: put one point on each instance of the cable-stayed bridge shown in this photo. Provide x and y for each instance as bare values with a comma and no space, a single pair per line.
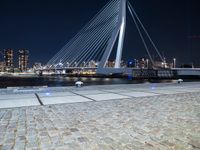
96,40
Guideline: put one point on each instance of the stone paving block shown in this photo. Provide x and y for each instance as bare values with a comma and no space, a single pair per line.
19,103
7,147
66,99
19,146
187,89
109,96
89,92
166,91
55,94
16,96
116,90
139,94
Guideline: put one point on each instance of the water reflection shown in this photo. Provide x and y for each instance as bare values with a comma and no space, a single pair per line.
69,81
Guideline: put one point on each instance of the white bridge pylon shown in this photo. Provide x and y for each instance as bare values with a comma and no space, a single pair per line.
119,31
95,42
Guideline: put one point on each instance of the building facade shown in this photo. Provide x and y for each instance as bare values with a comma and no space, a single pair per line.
8,60
2,66
23,60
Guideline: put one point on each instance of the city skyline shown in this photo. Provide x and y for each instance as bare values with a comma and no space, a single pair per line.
13,61
45,27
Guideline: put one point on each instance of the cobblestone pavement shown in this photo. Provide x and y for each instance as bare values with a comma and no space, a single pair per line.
161,122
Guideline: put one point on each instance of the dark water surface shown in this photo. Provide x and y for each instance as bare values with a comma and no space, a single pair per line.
60,81
67,81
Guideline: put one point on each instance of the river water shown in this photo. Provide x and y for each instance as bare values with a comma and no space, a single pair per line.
63,81
67,81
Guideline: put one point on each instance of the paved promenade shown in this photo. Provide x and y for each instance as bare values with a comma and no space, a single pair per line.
163,116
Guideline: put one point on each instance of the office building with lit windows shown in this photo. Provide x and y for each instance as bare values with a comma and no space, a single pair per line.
23,60
8,60
2,66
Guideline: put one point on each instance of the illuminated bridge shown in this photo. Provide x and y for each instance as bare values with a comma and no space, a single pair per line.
96,40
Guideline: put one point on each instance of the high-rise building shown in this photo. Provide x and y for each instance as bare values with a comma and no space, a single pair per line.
23,59
8,60
2,66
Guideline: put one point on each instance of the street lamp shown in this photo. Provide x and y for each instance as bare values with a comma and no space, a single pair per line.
174,62
67,64
84,64
135,62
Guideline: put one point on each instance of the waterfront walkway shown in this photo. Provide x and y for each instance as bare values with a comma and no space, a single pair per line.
133,117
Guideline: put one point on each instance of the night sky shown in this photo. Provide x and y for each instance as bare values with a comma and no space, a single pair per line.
45,26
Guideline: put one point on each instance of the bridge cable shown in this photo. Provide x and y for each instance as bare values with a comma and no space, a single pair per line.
103,33
79,33
140,33
76,45
64,53
90,54
92,41
89,47
153,44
